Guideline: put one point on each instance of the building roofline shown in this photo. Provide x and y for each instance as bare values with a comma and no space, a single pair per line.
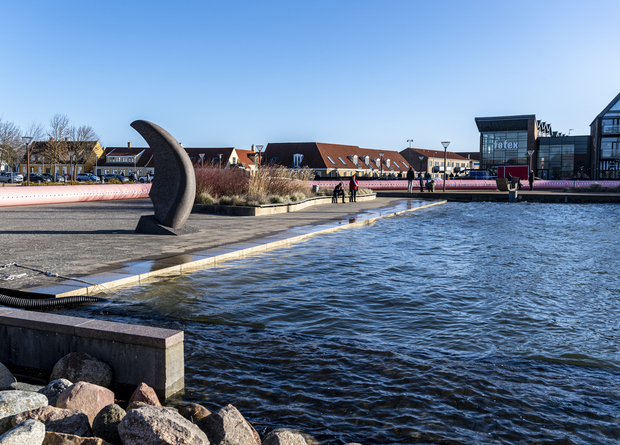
607,108
505,118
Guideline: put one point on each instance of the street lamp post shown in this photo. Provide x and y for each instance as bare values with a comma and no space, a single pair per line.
445,163
421,159
410,141
381,164
27,140
529,163
259,148
220,156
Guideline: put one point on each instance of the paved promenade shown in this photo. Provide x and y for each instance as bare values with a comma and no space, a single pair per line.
94,241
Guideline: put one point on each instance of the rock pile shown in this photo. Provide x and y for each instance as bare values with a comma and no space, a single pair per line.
85,413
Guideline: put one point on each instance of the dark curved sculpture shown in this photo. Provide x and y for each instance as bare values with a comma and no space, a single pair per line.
174,187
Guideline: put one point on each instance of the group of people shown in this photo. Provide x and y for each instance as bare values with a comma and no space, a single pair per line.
339,190
425,181
430,183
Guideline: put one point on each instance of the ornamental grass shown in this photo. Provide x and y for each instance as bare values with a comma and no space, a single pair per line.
235,186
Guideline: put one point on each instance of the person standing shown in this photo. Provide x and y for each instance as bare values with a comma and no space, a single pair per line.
353,186
421,183
530,179
410,178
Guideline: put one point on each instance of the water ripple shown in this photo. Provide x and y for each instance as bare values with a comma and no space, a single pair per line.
460,324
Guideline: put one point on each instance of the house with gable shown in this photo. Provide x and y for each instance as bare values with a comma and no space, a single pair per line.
336,160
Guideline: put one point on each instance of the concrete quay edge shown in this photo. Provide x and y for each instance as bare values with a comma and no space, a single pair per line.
187,263
139,335
539,196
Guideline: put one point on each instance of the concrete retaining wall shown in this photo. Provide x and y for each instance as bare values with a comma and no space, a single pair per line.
136,354
272,209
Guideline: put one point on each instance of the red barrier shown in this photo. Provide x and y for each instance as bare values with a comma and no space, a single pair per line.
57,194
457,184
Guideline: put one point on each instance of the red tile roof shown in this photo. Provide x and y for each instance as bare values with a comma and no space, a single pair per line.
332,156
435,153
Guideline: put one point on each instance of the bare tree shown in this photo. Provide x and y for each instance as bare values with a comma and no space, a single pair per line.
84,139
36,131
10,142
56,149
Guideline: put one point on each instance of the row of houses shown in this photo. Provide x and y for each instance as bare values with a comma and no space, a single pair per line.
326,160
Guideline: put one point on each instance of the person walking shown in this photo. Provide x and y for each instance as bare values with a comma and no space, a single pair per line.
530,179
410,178
353,186
421,183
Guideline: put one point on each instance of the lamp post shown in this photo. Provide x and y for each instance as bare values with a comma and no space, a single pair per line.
27,140
529,163
259,148
445,163
410,141
220,156
381,164
421,159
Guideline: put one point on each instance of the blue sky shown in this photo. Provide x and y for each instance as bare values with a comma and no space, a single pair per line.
367,73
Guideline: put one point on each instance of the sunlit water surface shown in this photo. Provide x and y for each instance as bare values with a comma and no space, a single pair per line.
463,323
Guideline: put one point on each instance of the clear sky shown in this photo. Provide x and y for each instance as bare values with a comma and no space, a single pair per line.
367,73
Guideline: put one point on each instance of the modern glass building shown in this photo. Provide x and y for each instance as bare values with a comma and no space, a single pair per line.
605,132
563,157
525,140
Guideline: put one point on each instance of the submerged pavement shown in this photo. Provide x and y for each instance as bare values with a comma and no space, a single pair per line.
95,241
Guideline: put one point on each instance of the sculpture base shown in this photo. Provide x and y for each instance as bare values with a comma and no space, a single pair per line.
148,225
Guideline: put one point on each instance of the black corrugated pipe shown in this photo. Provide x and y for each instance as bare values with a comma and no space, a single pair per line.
45,303
34,300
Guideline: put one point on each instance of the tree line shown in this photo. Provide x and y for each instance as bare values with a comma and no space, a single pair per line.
56,142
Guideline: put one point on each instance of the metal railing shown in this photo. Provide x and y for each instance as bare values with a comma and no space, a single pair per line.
611,129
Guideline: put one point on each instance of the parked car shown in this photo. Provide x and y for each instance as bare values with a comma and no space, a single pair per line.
108,177
38,178
54,177
85,177
11,177
148,178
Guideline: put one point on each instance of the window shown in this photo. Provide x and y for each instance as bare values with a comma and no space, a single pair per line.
610,148
273,160
234,160
297,158
405,164
331,160
343,163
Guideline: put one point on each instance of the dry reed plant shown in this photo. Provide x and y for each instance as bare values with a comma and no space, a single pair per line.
232,186
216,182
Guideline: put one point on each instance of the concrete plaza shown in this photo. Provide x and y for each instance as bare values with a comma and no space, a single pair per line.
94,240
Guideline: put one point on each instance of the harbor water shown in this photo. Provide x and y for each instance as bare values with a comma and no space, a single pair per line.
463,323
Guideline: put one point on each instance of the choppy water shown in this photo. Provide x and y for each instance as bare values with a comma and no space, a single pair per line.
460,324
